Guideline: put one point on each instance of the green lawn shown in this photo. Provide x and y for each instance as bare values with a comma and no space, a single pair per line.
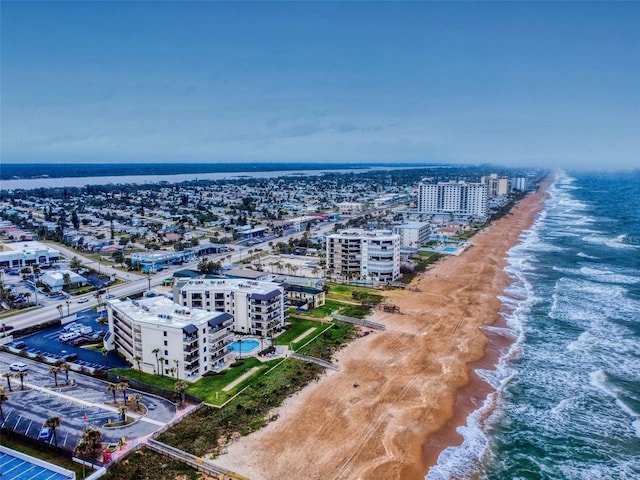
297,328
208,386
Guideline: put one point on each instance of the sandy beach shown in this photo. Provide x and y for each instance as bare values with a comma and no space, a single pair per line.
416,383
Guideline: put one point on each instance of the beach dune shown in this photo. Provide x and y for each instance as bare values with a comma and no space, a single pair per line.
414,379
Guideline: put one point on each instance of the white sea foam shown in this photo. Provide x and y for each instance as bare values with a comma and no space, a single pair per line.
617,242
584,255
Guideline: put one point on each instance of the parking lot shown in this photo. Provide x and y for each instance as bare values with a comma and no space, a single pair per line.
47,342
79,406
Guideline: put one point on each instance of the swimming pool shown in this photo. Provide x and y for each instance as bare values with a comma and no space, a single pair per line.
245,347
449,249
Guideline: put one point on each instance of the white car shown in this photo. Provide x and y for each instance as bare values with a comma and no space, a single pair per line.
18,367
83,300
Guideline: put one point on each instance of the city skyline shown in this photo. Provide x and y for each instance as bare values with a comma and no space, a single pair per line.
524,84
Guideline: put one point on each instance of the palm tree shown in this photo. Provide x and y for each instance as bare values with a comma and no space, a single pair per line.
53,423
122,413
8,376
65,367
91,443
105,353
136,401
54,370
138,359
172,371
21,376
177,362
156,351
113,388
239,348
180,387
3,398
161,360
122,387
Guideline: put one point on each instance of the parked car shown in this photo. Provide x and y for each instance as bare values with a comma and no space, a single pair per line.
45,434
18,366
20,345
83,300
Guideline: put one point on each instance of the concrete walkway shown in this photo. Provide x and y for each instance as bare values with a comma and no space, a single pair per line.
300,337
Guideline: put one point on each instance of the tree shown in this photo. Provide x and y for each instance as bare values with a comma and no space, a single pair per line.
122,387
113,388
122,413
66,279
3,398
161,360
138,359
54,370
177,362
53,423
75,220
156,351
105,354
91,443
21,376
180,387
8,376
65,367
136,401
75,264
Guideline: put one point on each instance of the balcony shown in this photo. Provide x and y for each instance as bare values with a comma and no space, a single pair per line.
191,348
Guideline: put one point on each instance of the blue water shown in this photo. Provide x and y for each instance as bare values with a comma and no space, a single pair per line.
567,400
246,347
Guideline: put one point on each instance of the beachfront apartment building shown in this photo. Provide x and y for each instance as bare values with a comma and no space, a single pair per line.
366,256
158,336
258,308
453,198
413,234
497,186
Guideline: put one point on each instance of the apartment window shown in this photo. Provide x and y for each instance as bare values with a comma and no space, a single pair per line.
166,343
164,333
166,352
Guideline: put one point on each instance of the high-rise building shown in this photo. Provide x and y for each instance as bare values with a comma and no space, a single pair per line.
258,308
158,336
497,185
369,256
455,198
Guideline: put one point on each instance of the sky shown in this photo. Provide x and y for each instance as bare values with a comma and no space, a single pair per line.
509,83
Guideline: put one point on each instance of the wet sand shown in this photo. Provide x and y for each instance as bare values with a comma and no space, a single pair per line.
416,379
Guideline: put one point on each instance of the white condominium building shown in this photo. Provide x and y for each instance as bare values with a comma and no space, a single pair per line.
370,256
258,308
158,336
456,198
413,234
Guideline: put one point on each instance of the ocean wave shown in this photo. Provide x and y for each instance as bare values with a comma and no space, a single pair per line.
585,255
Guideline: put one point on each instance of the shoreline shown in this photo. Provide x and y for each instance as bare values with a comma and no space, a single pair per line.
417,378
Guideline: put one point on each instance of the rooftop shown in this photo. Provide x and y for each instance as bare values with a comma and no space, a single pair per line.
161,310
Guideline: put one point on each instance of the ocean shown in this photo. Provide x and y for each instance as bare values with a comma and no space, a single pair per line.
567,398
